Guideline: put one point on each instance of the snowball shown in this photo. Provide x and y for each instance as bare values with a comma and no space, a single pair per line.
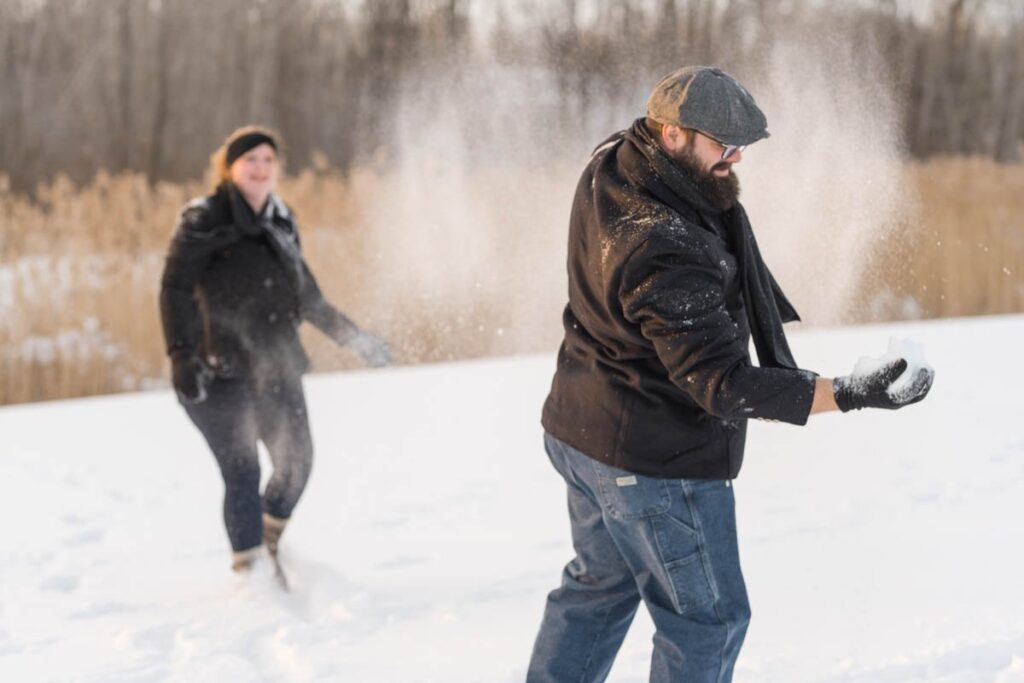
908,350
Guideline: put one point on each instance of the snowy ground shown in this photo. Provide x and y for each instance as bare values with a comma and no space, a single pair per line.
878,547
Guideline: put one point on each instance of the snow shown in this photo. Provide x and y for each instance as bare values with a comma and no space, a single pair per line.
911,381
878,546
907,349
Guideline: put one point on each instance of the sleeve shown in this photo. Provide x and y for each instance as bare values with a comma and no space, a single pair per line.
675,293
320,313
313,306
192,246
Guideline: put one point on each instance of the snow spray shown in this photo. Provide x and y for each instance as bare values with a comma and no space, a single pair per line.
472,214
828,186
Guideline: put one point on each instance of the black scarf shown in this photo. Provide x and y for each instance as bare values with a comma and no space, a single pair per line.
767,307
283,240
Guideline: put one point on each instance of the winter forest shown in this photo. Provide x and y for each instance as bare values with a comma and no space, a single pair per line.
415,131
431,153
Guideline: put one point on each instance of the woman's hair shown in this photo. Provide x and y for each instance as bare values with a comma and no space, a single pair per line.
219,169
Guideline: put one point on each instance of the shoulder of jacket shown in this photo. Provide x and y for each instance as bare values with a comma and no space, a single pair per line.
606,146
196,214
205,218
653,221
203,214
677,239
678,229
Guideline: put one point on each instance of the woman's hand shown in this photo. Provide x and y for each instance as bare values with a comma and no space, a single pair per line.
190,375
374,350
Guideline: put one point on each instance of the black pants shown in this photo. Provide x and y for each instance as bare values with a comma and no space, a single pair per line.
237,413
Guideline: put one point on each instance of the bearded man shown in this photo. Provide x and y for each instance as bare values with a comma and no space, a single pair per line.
646,419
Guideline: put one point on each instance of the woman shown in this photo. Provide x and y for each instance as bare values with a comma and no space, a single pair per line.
235,289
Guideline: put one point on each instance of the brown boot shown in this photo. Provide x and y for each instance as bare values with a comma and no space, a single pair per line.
243,560
273,527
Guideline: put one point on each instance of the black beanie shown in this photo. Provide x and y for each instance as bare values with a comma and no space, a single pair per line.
244,143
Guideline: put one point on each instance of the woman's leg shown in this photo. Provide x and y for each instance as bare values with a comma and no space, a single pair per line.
225,419
284,429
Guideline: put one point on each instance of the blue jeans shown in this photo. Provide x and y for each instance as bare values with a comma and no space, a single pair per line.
668,542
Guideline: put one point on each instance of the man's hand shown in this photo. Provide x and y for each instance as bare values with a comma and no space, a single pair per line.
875,390
190,376
374,350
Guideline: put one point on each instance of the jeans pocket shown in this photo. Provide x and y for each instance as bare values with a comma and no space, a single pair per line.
689,583
627,496
680,547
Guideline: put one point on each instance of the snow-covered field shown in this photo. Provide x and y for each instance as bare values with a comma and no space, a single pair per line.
878,547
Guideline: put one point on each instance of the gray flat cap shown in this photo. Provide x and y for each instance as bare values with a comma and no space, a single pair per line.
711,101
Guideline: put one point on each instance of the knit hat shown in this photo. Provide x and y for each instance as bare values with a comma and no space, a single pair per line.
709,100
244,143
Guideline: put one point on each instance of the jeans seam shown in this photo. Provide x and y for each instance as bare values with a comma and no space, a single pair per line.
725,641
602,495
566,459
593,646
710,577
701,543
664,566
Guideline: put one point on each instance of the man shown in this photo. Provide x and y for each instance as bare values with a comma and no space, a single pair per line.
646,419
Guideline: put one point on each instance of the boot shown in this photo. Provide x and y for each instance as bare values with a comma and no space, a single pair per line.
243,560
273,527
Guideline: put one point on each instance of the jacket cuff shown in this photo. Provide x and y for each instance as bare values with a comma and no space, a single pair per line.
803,398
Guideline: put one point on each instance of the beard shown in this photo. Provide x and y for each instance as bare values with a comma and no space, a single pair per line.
721,192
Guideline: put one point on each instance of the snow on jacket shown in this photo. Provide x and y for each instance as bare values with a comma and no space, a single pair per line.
654,375
235,288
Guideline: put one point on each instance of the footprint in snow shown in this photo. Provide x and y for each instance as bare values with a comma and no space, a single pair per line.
64,583
87,537
101,609
401,562
71,519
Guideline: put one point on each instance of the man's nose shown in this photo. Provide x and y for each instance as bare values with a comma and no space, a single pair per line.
736,157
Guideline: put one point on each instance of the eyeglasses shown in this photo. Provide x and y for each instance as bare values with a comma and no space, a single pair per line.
727,150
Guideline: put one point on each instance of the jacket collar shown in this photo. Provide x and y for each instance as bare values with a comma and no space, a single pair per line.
667,172
245,218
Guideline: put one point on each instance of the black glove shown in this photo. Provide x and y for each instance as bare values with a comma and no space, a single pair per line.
374,350
873,390
190,375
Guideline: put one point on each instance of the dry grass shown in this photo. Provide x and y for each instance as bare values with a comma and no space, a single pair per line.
79,280
964,252
463,269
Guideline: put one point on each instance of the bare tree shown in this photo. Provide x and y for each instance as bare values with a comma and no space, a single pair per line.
125,85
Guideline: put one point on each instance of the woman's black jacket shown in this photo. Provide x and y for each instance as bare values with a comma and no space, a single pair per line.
235,289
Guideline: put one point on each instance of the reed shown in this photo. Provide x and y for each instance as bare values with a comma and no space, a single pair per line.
962,253
467,270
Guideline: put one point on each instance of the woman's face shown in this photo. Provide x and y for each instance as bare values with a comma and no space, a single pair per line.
255,172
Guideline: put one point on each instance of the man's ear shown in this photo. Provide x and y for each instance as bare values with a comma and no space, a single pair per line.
674,138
